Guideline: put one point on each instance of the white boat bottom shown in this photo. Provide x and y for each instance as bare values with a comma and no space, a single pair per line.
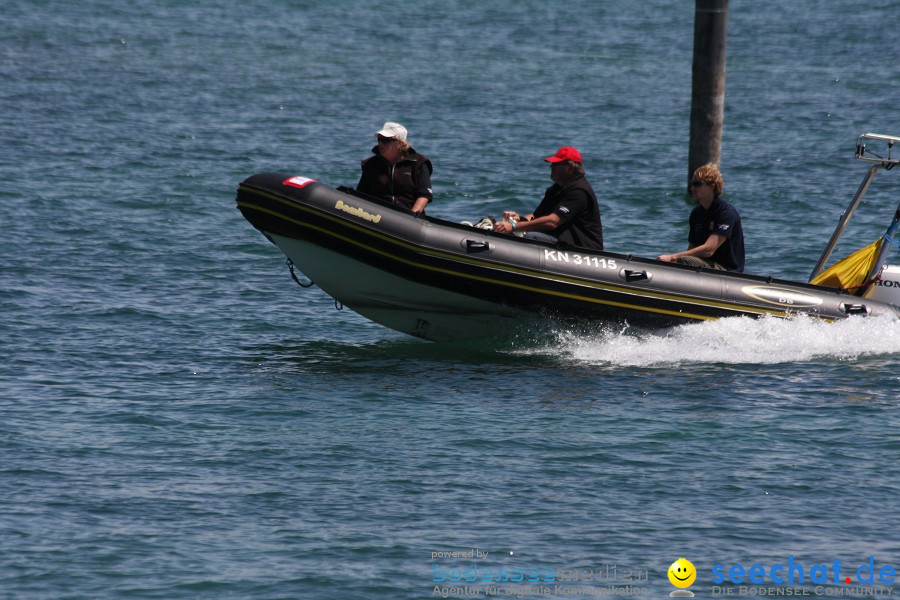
407,306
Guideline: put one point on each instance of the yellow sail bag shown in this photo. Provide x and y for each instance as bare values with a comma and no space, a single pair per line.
853,271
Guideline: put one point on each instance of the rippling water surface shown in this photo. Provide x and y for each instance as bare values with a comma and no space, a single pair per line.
179,420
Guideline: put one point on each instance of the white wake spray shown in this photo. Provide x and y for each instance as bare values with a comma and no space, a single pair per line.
738,340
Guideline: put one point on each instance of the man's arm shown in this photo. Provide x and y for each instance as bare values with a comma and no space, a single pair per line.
546,223
570,204
423,190
704,250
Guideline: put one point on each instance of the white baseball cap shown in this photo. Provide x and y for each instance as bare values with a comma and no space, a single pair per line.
392,130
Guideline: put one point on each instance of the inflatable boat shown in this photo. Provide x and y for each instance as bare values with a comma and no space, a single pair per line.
440,280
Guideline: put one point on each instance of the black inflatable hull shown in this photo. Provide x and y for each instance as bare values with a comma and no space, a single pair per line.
439,280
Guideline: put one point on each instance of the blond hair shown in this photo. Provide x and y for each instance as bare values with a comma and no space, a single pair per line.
710,174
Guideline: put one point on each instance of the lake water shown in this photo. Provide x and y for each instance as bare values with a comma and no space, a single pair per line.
179,420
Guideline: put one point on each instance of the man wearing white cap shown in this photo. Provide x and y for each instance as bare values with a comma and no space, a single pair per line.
569,211
397,173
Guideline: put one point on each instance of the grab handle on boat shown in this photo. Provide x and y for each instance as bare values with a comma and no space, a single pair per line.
477,246
854,309
633,275
290,265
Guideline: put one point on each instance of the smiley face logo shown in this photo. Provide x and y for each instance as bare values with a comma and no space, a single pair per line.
682,573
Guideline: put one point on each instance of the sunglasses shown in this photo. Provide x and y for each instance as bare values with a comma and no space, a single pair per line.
697,183
384,140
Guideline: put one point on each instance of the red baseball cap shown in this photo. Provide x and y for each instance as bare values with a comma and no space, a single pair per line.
565,153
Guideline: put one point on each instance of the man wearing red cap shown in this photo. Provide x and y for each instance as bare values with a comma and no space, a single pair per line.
569,211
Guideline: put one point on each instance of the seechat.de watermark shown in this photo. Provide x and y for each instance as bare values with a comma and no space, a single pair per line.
793,578
794,572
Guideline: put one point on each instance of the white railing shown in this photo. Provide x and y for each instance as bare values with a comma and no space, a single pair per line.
864,152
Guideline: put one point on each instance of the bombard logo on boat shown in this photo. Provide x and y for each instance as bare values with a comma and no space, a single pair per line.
357,212
781,296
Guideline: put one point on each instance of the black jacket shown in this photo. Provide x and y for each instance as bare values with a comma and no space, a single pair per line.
722,219
576,205
402,183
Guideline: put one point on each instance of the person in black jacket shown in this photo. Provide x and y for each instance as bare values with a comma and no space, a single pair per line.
716,236
397,173
569,211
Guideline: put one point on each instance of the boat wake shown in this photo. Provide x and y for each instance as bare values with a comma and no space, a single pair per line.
738,340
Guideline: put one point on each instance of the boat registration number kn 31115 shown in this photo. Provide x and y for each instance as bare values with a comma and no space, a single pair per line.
579,259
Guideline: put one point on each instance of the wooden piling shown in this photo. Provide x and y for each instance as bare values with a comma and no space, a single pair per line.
708,83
